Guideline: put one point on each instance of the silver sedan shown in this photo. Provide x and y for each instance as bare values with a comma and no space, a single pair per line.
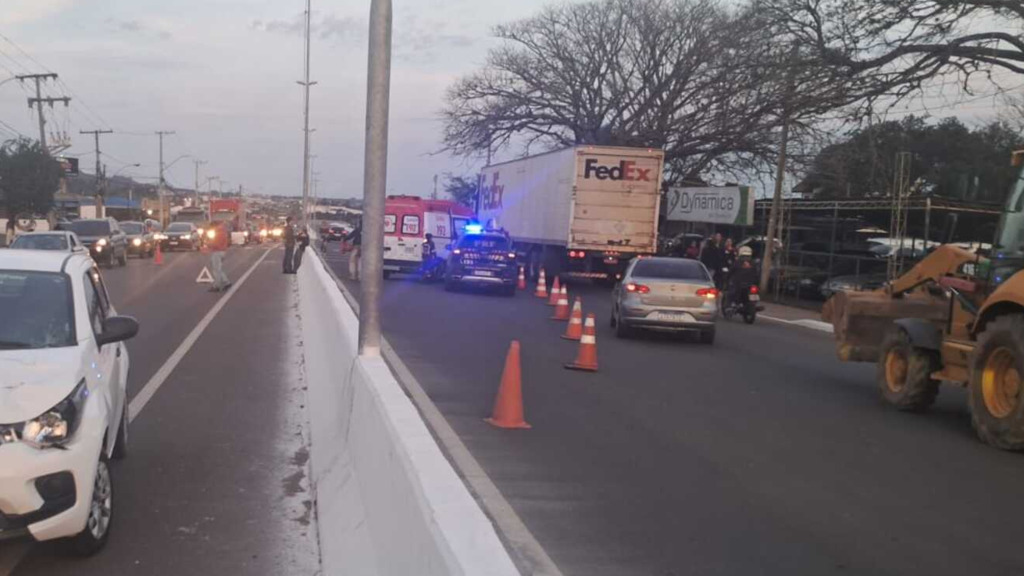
667,294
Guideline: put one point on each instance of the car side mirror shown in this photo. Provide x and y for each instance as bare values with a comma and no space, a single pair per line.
118,329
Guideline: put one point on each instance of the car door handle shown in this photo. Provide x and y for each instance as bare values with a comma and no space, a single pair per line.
118,352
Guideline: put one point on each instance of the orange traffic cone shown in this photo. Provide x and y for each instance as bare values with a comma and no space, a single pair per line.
575,328
542,286
586,358
508,406
158,258
522,279
556,291
562,308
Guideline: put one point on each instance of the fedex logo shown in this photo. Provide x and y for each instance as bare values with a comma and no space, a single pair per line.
626,170
491,195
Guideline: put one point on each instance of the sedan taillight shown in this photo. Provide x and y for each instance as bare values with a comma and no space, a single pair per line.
637,288
709,293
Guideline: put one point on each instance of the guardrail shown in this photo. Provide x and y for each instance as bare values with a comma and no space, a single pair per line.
388,502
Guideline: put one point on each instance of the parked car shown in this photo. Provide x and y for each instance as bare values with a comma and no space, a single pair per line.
180,236
482,259
141,242
63,402
104,238
60,241
668,294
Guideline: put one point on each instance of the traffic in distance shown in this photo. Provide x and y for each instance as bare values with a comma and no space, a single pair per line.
64,403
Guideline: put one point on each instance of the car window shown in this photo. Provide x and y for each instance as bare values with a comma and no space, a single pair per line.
41,242
390,223
94,303
670,270
36,310
179,227
131,227
410,225
90,228
101,287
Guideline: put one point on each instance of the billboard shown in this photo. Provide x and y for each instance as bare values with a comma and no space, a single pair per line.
715,205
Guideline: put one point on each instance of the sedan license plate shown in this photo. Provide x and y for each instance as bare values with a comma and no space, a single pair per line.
671,317
755,298
485,273
173,243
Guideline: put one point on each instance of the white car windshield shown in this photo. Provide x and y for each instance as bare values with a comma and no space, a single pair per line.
36,310
179,228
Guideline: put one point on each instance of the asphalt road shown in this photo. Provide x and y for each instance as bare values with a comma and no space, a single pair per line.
761,454
215,482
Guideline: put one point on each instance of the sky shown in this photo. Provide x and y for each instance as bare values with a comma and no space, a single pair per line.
222,74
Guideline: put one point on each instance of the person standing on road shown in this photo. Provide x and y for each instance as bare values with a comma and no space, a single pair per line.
289,246
356,240
303,240
713,258
217,242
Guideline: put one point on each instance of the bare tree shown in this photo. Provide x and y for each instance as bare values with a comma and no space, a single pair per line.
706,84
893,47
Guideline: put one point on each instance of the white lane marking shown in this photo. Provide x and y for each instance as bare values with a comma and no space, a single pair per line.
11,554
146,394
812,324
524,545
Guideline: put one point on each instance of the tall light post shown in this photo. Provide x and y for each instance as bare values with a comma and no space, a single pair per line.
131,189
305,151
375,171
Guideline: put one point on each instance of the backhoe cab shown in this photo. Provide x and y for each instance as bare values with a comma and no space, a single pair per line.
955,317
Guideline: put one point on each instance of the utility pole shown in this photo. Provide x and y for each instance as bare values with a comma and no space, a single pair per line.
161,134
780,177
306,84
198,163
375,176
162,185
38,101
433,195
100,175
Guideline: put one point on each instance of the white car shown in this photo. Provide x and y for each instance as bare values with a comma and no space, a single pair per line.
63,400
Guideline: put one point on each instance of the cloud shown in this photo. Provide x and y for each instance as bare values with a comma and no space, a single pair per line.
17,11
329,27
137,27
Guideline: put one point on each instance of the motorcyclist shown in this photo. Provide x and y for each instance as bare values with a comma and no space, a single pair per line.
743,274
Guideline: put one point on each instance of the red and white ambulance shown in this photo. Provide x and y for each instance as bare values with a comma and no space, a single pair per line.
407,220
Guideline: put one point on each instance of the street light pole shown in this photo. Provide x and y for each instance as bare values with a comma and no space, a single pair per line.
375,172
305,152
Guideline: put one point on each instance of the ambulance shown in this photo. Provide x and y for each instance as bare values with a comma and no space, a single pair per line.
407,220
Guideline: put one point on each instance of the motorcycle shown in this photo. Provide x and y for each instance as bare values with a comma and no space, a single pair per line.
746,304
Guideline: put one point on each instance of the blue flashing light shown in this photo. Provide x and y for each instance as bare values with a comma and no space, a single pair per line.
474,229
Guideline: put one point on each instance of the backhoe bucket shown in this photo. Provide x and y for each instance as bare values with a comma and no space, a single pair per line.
861,319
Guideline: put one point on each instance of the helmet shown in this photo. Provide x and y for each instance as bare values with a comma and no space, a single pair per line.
745,252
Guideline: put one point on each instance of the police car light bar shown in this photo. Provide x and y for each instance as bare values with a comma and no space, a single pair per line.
474,229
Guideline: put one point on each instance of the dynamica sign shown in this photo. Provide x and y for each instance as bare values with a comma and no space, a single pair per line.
732,205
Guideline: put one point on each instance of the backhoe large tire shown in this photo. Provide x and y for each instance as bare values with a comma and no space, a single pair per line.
996,394
904,373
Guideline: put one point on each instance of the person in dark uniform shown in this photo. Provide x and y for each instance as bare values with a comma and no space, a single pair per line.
713,258
289,247
302,238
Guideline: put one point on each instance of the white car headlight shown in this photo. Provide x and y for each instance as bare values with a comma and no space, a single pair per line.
137,242
101,242
56,427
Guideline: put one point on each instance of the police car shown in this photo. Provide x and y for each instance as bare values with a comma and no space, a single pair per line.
483,258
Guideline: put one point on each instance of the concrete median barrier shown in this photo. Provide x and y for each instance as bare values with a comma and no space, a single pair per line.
388,502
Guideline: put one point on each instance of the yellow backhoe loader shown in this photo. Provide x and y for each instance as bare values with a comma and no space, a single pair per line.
956,318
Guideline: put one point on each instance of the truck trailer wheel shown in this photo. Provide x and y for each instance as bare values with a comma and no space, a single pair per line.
996,394
904,373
